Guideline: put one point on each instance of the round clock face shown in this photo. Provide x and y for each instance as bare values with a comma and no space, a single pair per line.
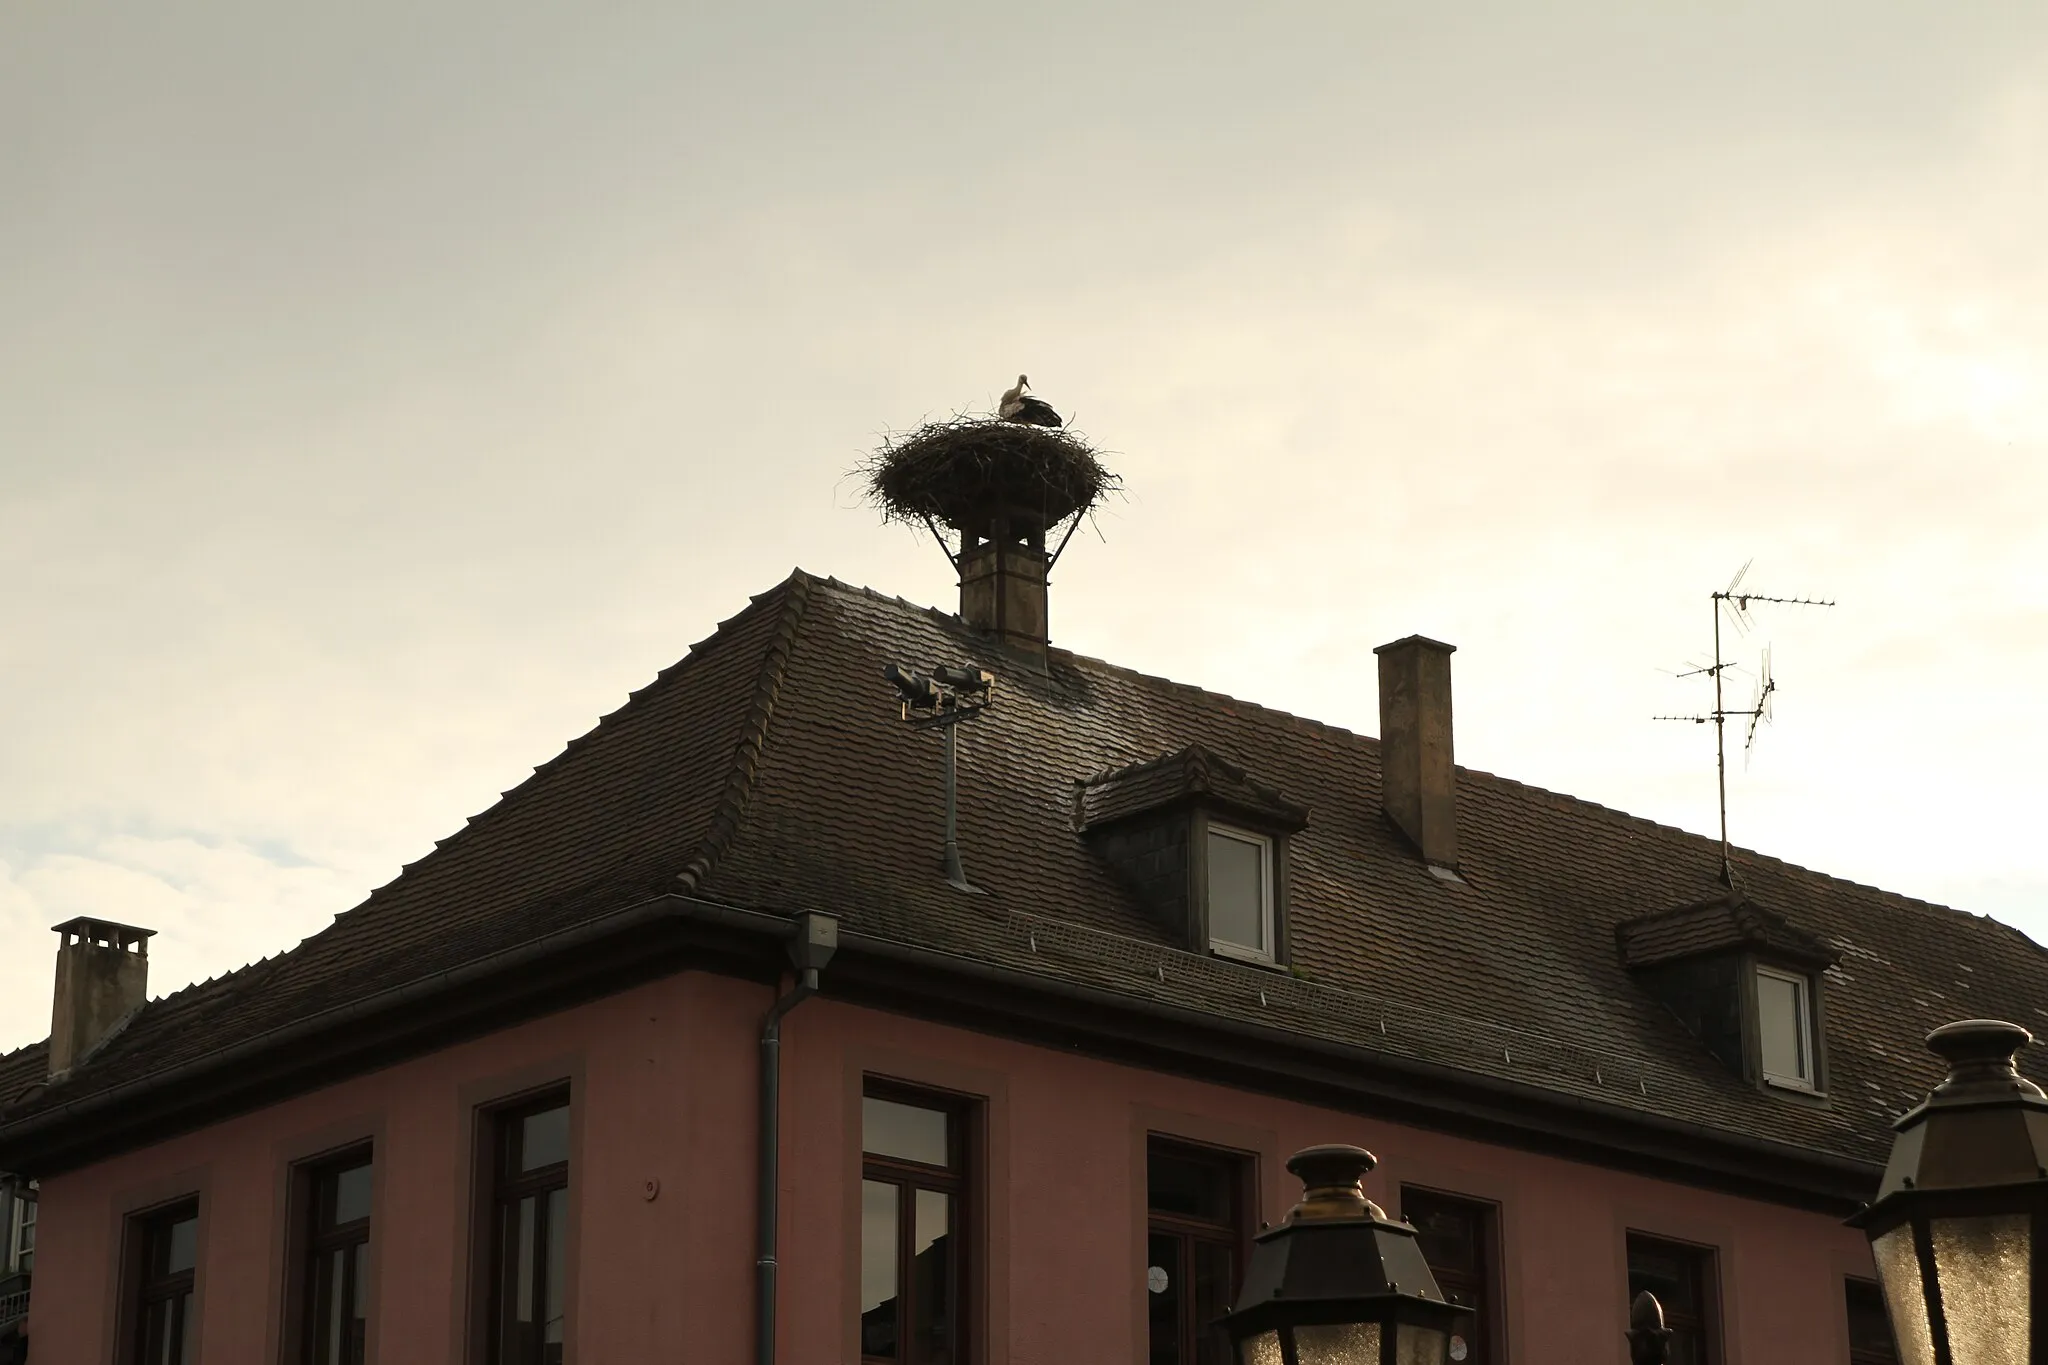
1155,1279
1458,1348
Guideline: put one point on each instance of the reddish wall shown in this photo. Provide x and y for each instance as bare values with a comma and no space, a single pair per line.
663,1080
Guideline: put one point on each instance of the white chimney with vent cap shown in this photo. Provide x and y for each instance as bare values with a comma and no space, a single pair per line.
102,979
1418,779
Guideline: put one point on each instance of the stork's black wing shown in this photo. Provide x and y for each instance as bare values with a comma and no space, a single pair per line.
1037,412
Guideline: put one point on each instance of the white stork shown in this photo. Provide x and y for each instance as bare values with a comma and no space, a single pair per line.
1018,406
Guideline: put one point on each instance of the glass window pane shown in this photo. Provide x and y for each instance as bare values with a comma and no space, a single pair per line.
359,1310
182,1333
905,1131
1237,892
878,1251
522,1261
181,1245
333,1318
1188,1186
1984,1275
1214,1281
544,1138
931,1277
352,1193
1163,1290
1870,1332
557,1253
1781,1023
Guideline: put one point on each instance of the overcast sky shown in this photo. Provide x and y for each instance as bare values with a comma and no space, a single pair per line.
387,389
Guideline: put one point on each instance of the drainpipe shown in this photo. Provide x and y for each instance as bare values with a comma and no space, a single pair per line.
817,936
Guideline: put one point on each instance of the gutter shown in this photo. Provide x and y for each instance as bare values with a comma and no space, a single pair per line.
817,936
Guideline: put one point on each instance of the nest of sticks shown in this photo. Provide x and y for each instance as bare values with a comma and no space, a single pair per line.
960,469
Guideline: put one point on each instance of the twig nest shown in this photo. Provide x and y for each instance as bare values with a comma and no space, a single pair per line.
962,469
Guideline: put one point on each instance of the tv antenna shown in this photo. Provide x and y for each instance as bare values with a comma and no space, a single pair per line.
1734,604
939,699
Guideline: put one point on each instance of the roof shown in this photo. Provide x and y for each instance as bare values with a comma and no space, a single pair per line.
769,769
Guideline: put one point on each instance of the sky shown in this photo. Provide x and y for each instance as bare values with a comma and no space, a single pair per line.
386,390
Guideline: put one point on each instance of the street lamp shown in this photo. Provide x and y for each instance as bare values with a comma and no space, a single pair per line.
1339,1283
1960,1225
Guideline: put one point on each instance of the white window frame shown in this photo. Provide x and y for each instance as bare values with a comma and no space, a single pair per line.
1810,1083
1264,843
19,1228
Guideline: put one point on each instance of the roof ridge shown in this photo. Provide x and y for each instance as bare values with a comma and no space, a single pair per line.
739,784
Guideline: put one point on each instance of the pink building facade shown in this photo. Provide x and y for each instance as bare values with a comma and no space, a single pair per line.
661,1198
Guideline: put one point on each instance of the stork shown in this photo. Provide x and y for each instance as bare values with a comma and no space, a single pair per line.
1018,406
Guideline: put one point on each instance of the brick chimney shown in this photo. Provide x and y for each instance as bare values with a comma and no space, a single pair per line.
102,978
1002,580
1418,784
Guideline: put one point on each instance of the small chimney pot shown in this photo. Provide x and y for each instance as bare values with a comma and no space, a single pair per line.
1418,775
1003,591
102,978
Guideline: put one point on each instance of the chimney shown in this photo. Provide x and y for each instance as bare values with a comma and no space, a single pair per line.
102,978
1418,784
1002,580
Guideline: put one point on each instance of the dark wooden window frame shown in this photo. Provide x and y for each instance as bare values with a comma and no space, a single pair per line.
1236,1233
498,1188
309,1242
1851,1284
958,1180
1706,1269
1492,1317
140,1291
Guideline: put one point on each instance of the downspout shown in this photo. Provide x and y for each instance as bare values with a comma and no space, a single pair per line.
817,937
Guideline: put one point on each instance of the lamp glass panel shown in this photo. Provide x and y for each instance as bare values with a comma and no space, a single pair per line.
1337,1343
1263,1349
1898,1270
1420,1345
1983,1269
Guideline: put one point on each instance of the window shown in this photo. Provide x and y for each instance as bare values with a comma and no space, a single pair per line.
1459,1238
529,1232
1870,1330
166,1256
21,1251
1194,1247
1682,1278
911,1242
1785,1028
1240,893
337,1249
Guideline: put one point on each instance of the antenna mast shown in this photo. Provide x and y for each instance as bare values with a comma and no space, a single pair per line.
1736,604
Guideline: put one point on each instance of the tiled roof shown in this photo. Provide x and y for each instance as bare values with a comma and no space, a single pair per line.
770,769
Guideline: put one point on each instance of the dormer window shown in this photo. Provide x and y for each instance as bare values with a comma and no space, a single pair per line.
1201,845
1240,893
1784,1016
1745,981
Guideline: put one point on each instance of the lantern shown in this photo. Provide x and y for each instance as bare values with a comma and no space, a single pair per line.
1958,1225
1339,1283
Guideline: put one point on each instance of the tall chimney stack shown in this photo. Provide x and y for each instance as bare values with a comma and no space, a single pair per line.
102,978
1002,579
1418,782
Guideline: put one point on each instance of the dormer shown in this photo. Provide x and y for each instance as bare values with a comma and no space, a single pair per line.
1204,846
1745,980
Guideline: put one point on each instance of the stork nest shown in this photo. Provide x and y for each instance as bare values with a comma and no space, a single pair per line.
959,470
